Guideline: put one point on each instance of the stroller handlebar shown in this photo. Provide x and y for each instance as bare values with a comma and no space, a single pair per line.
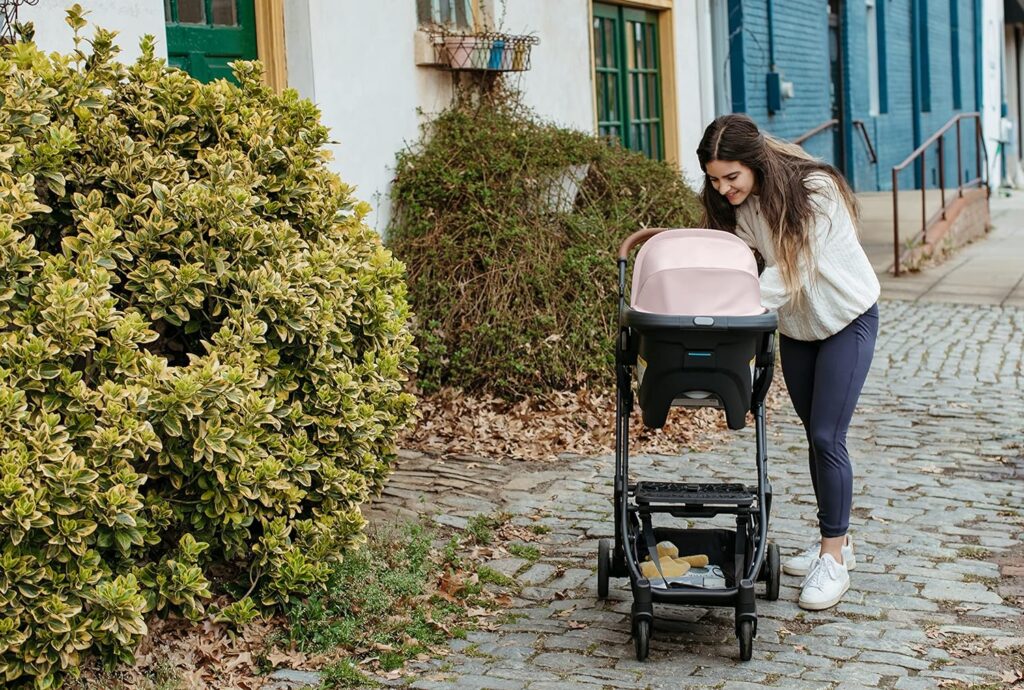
635,239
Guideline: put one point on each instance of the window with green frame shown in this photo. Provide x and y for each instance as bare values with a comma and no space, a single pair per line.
628,78
204,36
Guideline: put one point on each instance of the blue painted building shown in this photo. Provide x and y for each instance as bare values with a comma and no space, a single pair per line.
891,72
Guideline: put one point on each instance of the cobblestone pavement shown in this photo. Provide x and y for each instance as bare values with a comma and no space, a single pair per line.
937,522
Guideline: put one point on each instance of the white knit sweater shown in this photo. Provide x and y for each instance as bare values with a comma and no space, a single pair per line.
838,286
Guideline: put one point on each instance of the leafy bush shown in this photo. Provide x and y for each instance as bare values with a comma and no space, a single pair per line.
514,280
202,351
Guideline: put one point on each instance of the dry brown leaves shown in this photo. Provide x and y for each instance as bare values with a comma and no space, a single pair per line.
543,427
197,656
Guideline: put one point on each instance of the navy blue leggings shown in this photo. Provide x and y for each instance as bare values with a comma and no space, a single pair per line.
824,379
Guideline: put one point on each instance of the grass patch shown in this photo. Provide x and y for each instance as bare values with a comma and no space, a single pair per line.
344,674
394,599
540,529
977,553
530,553
492,576
482,527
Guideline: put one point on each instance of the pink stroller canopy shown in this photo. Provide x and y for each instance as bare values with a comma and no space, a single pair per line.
696,273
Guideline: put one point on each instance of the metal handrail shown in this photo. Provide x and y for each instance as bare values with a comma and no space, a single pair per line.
872,156
919,153
859,124
817,130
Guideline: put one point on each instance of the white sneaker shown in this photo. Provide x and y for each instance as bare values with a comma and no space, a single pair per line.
824,585
801,564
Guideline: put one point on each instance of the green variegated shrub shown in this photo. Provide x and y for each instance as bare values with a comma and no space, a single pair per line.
202,352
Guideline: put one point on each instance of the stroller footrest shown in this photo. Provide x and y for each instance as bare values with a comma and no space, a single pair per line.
675,492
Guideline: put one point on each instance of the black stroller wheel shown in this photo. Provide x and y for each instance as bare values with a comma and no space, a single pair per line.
745,633
774,573
604,565
642,639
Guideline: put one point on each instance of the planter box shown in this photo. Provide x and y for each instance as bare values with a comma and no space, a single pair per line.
490,52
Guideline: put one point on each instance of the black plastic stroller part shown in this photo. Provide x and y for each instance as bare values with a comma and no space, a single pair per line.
680,354
730,360
699,494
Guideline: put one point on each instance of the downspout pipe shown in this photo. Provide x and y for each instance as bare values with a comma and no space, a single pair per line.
771,36
915,81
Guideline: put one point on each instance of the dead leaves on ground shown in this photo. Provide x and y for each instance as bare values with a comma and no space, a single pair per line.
543,427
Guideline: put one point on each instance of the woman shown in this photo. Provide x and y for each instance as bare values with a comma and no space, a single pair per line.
800,215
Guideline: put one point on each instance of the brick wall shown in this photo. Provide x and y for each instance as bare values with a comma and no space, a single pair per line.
801,54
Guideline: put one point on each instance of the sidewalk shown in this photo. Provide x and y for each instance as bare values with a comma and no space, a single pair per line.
937,599
938,520
989,271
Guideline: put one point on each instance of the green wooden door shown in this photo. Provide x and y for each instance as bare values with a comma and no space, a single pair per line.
203,36
628,77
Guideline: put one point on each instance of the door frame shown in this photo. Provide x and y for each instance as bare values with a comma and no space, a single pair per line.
841,111
667,65
270,45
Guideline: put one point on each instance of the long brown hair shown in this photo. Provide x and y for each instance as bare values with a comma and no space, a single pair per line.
780,171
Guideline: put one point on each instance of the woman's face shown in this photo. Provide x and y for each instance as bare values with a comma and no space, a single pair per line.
731,179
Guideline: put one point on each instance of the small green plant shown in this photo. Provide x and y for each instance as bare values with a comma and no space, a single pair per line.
395,595
344,674
473,651
530,553
491,576
238,612
481,527
540,529
978,553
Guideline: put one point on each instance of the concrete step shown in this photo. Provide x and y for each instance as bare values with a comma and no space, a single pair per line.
876,221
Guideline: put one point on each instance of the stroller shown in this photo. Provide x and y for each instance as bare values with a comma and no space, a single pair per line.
695,334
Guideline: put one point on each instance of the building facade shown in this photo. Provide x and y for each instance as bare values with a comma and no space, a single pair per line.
651,73
889,72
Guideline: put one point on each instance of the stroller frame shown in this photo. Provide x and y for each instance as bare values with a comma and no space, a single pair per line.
745,554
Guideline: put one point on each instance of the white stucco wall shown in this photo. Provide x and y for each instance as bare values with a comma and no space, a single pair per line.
694,74
356,61
559,84
132,19
992,81
1014,93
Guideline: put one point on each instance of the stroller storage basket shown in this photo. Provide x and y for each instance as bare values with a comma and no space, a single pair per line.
693,333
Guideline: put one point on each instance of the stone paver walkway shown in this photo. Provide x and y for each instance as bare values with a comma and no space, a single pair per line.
939,504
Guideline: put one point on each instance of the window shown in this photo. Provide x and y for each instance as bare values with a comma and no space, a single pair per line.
458,13
873,66
628,78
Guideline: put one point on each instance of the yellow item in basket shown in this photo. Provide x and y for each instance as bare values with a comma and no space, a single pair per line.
669,568
698,561
667,549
